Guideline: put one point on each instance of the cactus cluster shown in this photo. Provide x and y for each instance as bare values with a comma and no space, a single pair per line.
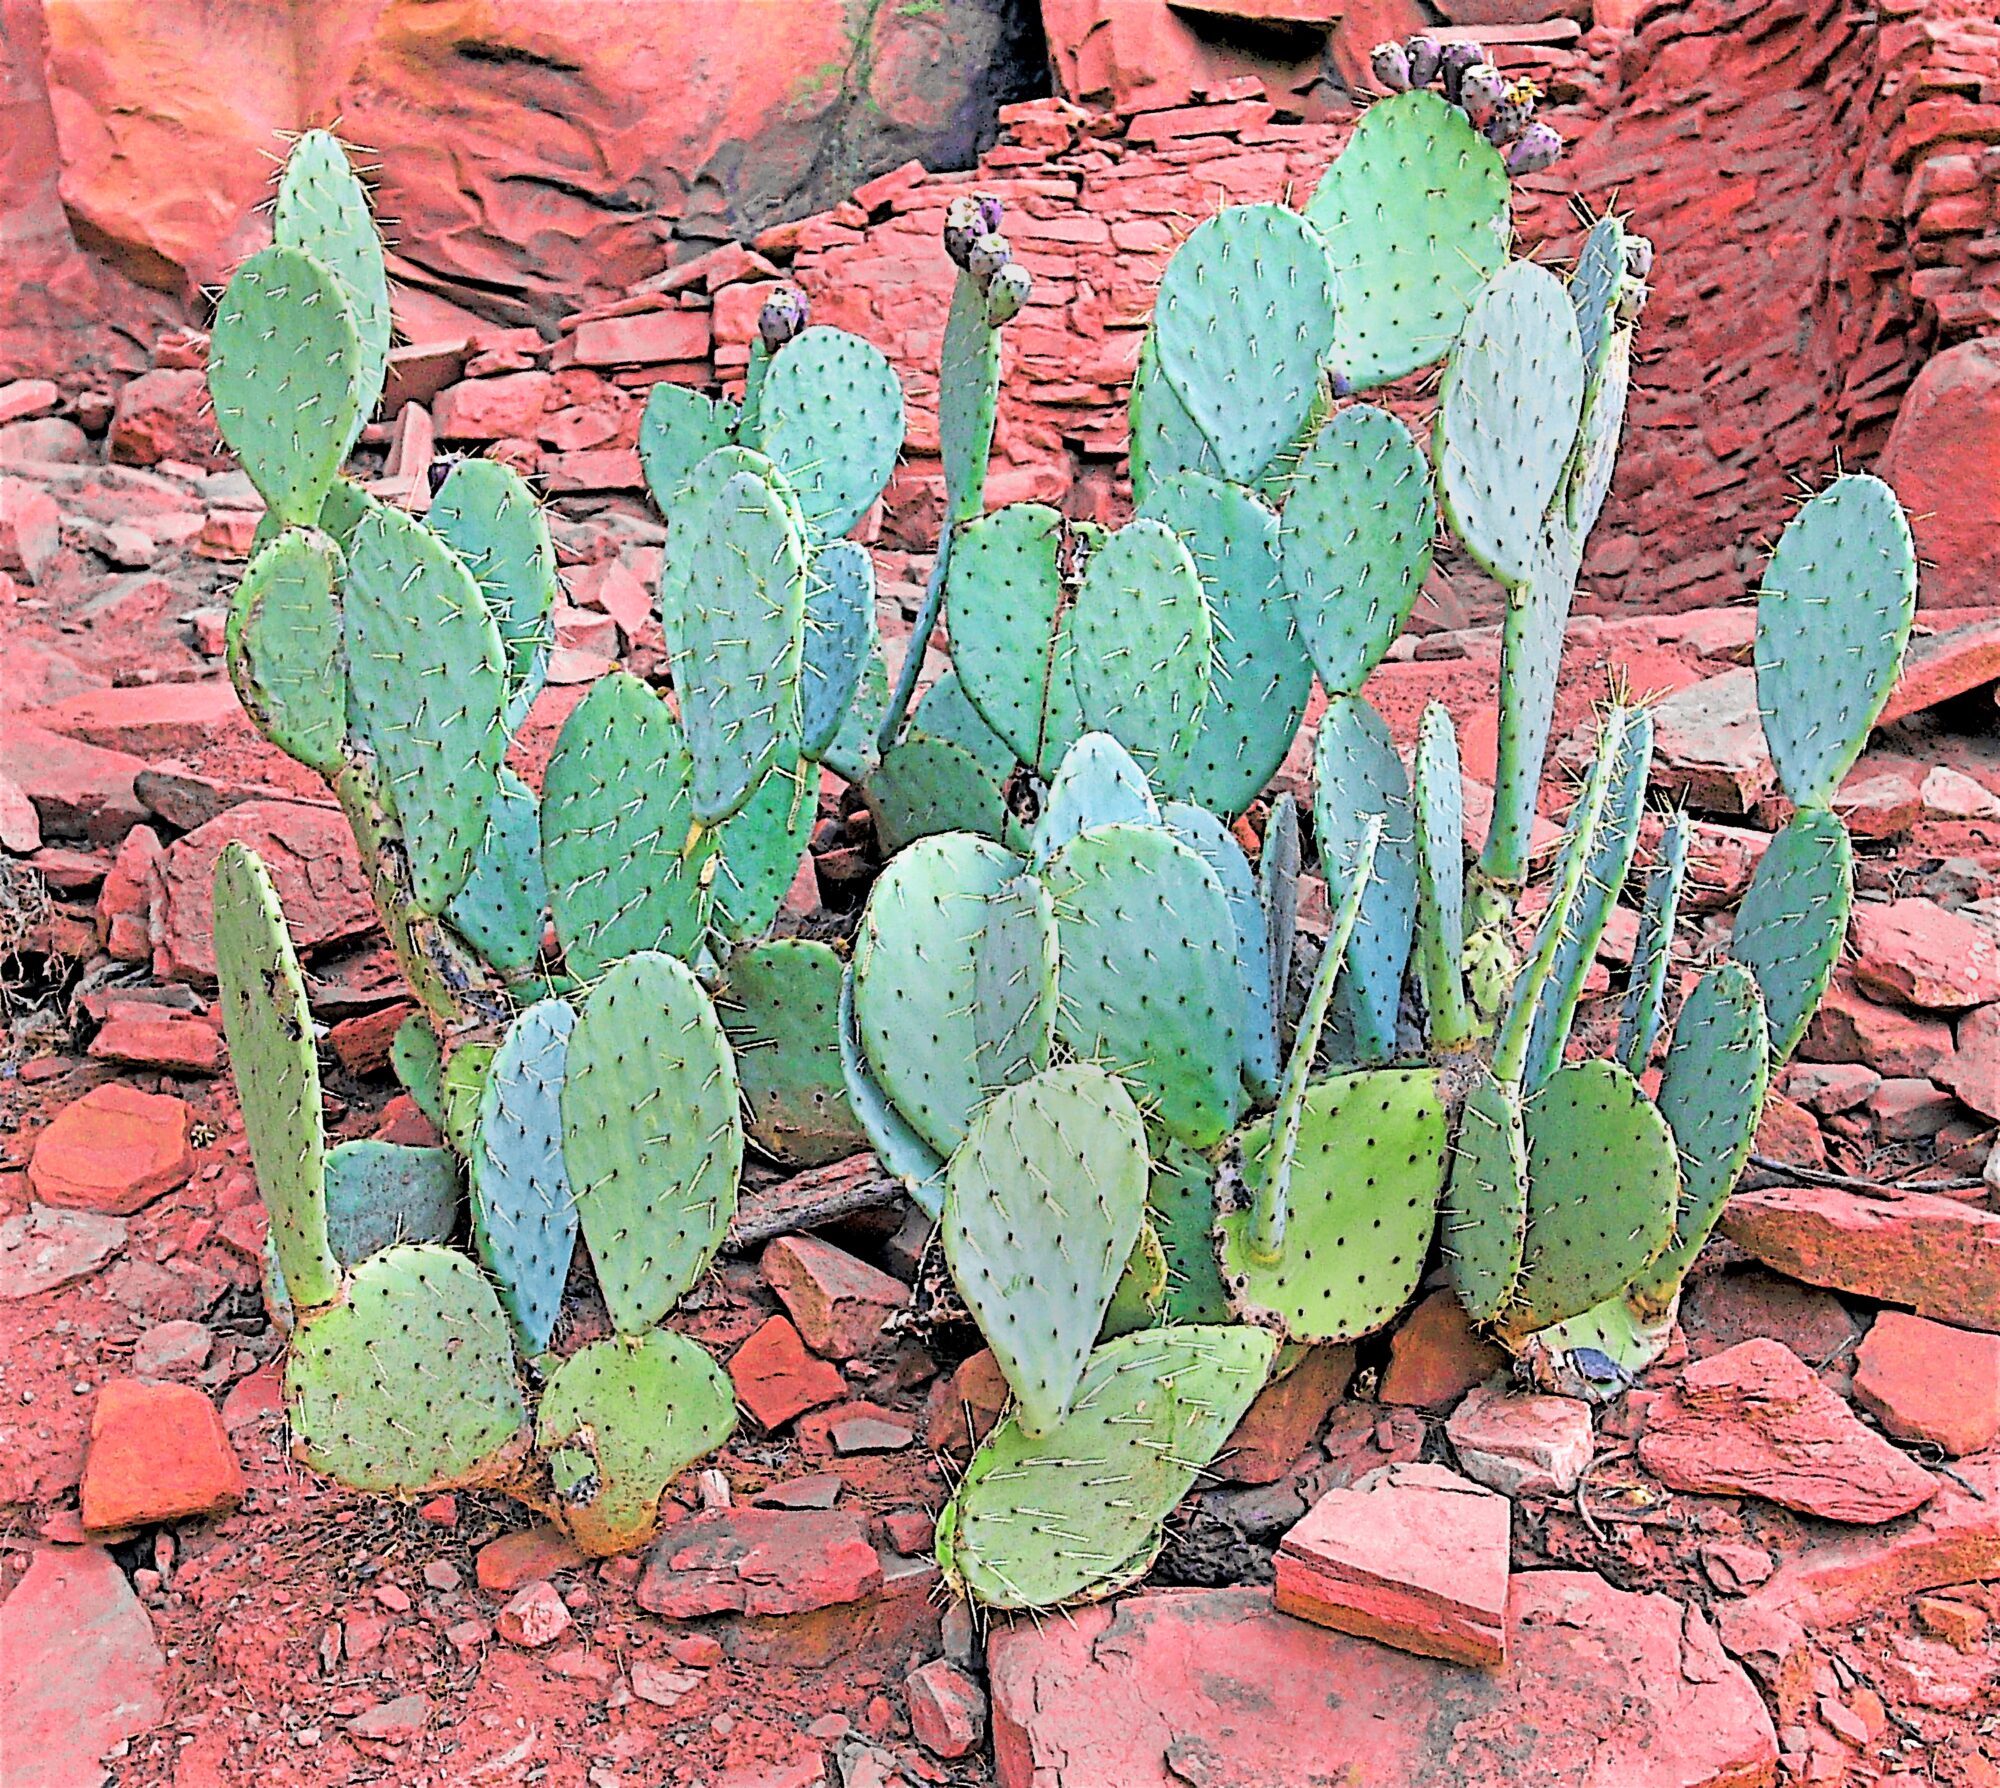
1503,111
1065,1021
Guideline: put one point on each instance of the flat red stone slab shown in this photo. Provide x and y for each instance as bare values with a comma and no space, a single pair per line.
1412,1555
1928,1381
113,1151
158,1452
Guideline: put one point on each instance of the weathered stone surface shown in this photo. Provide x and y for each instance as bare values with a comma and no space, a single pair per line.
80,1670
1935,1255
1720,1309
838,1303
505,1564
1919,954
1927,1381
1215,1686
1950,419
41,1248
1755,1420
149,720
947,1709
760,1561
77,790
1411,1555
112,1151
165,414
1709,745
776,1379
1285,1418
30,528
1946,664
962,1408
1850,1027
1973,1070
535,1616
1520,1444
174,1042
158,1452
1437,1356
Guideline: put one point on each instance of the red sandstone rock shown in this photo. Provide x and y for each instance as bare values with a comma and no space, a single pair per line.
838,1303
1790,1133
165,414
514,1559
1177,1686
947,1709
492,409
112,1151
1973,1070
963,1407
1720,1309
776,1378
1946,664
1437,1356
1709,745
174,1042
30,528
1829,1088
1850,1027
124,903
760,1561
152,720
1910,1109
77,790
42,1249
643,340
1927,1381
1521,1445
158,1452
1950,419
1412,1555
535,1617
1920,954
1285,1418
1755,1421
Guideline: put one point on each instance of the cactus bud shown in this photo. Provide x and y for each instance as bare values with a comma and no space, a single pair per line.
784,314
963,226
1639,256
1479,91
1511,114
1337,379
1006,292
1453,63
1632,296
1537,147
1390,63
991,211
1423,55
440,469
988,255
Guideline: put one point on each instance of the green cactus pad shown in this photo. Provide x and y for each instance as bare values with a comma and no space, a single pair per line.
1140,635
1357,776
759,847
1128,900
916,982
1437,794
840,634
287,371
1278,890
1414,214
1243,326
1588,480
619,1421
780,1009
1531,643
652,1137
1603,1187
1078,1516
501,909
1097,785
418,1060
1652,950
1356,541
1181,1197
1165,440
409,1385
1507,419
269,1026
1833,617
285,647
615,824
1486,1201
1216,845
900,1150
968,392
830,417
1010,642
1364,1198
322,209
688,518
486,514
948,773
1793,921
678,429
854,751
523,1213
1593,290
1014,983
1043,1203
458,1092
1259,674
1139,1298
426,675
1712,1088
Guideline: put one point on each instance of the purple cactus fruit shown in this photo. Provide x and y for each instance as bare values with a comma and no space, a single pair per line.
1639,256
1510,115
1423,54
962,228
440,469
1006,292
1337,380
1457,58
1479,91
988,255
1632,296
991,212
785,313
1390,63
1537,147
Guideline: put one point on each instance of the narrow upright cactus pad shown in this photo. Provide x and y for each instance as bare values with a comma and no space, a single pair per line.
1414,213
619,1421
1043,1203
1244,324
285,647
1140,637
269,1026
968,394
1216,845
678,429
916,981
322,208
287,370
830,416
418,1060
615,822
1128,901
652,1138
759,847
1593,290
1165,440
523,1211
840,635
688,517
1097,785
1833,617
737,662
1486,1201
409,1385
505,901
1793,921
1513,393
898,1147
1437,793
1364,1197
486,514
780,1009
1652,950
459,1091
1078,1515
1181,1197
1010,638
1356,541
1259,674
426,677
